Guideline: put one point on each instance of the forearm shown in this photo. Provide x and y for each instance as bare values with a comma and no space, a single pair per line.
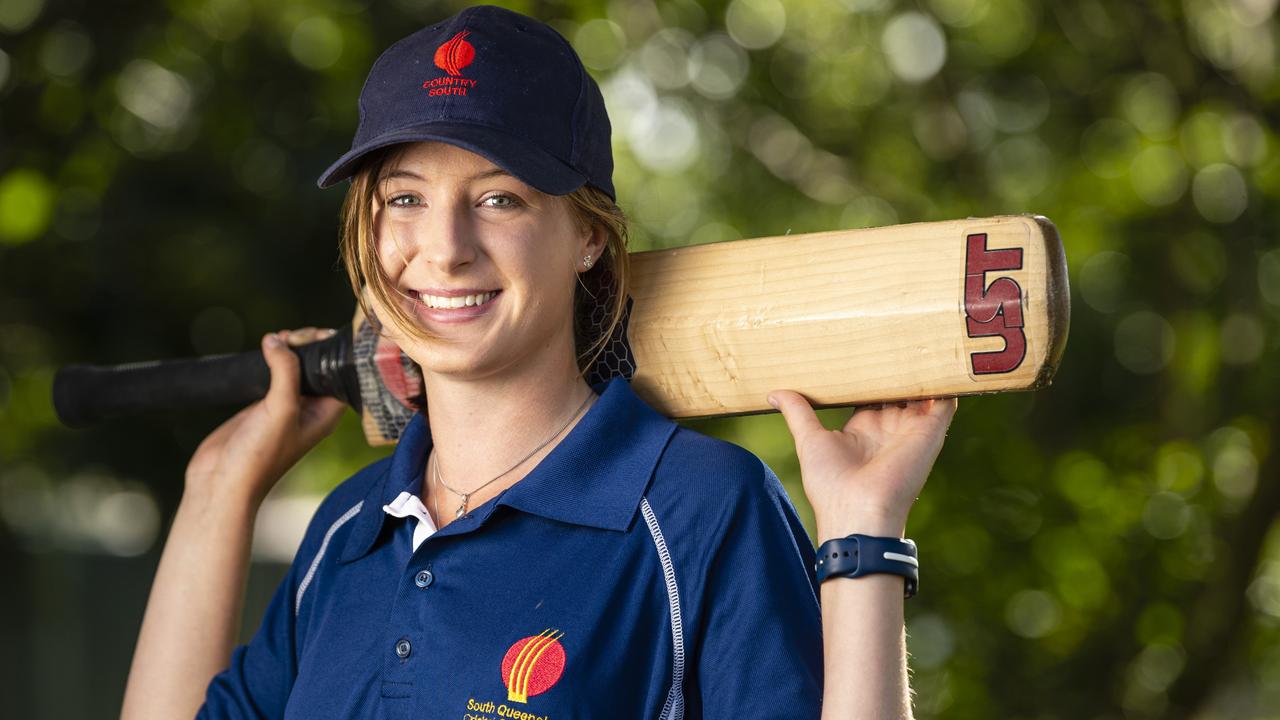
193,613
864,640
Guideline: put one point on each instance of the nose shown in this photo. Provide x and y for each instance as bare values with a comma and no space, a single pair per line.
442,236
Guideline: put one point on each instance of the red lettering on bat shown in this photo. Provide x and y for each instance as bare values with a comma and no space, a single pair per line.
993,310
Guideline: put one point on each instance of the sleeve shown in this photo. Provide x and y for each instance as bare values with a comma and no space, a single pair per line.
261,676
258,681
761,656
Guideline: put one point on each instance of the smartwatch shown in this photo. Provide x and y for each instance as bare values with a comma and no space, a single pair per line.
858,555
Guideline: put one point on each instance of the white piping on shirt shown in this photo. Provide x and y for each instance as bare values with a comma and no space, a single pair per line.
324,545
673,709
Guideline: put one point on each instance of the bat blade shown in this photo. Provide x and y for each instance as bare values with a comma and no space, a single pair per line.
850,317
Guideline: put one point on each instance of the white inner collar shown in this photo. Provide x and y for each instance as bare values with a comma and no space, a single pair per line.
408,504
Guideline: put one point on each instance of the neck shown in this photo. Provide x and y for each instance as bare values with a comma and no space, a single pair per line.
482,427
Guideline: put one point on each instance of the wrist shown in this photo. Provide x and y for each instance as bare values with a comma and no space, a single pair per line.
862,555
239,508
875,524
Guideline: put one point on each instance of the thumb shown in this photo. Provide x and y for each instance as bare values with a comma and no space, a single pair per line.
285,374
795,409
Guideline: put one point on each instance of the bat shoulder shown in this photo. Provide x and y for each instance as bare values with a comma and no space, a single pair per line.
706,490
715,468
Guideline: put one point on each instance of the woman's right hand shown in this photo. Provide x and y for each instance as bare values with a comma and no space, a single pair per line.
245,456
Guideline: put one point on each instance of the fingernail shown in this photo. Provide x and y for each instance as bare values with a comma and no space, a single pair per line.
773,402
273,340
328,332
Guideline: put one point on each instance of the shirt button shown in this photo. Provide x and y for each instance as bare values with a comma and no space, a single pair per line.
423,578
403,648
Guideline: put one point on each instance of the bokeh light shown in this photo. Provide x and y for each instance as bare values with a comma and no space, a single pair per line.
1159,175
160,97
914,46
717,66
1033,613
18,15
600,43
316,42
1220,193
755,24
26,205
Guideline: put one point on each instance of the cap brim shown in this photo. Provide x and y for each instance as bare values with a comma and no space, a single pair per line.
528,163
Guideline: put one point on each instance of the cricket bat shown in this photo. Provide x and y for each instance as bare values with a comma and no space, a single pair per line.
848,317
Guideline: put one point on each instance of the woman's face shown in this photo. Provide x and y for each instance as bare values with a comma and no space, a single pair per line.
453,229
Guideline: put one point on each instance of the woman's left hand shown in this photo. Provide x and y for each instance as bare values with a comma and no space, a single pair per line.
864,477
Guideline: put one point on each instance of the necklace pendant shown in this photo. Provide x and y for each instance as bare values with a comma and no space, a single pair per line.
462,509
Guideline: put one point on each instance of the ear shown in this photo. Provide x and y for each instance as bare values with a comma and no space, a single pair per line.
598,240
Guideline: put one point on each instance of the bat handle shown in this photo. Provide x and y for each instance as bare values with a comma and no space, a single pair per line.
86,394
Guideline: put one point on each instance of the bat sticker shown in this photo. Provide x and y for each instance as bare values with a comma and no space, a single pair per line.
993,310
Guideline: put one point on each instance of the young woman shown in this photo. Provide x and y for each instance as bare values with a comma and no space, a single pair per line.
538,545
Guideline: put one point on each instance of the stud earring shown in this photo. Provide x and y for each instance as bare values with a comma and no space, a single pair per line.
586,263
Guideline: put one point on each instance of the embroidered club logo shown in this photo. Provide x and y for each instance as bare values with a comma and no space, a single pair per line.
533,664
455,54
452,55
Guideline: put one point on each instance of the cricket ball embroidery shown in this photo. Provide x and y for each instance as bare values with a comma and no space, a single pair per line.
533,664
455,54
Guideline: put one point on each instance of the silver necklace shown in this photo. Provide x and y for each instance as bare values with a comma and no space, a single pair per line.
467,495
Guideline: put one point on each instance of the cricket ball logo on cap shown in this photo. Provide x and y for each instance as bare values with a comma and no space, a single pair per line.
452,55
533,664
455,54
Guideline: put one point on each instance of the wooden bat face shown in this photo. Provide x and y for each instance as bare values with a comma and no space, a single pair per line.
846,317
851,317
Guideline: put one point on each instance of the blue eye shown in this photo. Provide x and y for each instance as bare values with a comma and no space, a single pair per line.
510,201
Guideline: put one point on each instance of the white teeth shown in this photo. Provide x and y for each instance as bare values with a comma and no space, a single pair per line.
437,301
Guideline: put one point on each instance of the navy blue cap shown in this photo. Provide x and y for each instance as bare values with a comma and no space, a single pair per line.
500,84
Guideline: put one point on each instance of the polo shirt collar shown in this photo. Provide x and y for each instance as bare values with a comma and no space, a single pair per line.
596,476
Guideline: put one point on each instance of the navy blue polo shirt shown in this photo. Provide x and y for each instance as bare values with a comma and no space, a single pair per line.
641,570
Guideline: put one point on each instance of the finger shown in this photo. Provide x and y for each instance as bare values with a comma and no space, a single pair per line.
305,335
282,396
796,410
943,408
865,418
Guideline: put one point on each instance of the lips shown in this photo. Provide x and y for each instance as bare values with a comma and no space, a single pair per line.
440,300
453,307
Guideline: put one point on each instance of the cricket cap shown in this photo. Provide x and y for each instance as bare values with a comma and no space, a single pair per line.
497,83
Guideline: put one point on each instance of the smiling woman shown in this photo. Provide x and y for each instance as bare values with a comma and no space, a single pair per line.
448,225
541,543
389,198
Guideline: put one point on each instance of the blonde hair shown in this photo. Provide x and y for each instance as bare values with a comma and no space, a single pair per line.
589,208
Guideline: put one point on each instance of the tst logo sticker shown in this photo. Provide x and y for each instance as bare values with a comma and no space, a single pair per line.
993,309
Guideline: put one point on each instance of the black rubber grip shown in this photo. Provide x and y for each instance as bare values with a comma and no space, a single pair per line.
87,394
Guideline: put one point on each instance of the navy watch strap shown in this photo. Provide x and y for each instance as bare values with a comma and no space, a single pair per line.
858,555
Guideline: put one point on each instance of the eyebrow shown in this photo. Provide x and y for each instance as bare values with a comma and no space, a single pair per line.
478,176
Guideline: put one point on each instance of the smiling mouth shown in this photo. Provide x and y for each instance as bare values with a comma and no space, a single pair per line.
440,302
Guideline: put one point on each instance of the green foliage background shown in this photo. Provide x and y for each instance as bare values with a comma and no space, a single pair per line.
1104,548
